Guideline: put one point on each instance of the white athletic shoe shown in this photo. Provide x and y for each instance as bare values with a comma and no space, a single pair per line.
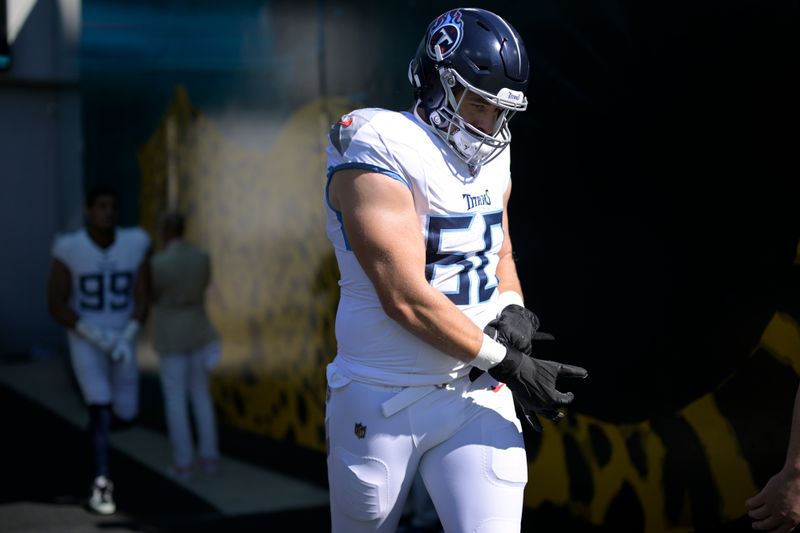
102,499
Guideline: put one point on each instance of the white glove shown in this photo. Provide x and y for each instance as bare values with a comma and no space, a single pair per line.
101,338
123,351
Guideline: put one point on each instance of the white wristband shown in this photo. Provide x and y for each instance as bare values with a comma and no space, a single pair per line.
491,353
508,298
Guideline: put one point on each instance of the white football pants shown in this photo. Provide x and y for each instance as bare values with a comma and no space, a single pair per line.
465,440
103,382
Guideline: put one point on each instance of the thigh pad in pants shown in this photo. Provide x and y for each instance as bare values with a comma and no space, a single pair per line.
362,484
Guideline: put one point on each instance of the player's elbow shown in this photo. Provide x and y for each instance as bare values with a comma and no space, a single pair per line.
398,308
59,313
53,307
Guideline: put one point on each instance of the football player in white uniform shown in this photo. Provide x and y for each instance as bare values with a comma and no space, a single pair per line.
417,214
98,289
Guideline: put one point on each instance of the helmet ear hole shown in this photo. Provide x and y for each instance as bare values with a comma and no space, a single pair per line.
449,79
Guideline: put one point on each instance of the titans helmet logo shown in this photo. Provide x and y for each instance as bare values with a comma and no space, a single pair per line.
445,34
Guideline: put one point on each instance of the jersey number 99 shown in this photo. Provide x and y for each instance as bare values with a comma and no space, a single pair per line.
100,292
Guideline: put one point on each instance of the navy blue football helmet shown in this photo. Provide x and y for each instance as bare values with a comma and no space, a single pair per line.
470,50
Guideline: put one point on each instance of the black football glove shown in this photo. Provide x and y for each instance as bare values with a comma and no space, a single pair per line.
533,420
533,383
516,326
519,327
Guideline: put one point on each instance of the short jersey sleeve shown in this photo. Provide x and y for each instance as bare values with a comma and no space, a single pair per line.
355,142
62,246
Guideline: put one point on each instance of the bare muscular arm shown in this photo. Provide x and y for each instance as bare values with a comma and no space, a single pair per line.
506,269
383,230
59,289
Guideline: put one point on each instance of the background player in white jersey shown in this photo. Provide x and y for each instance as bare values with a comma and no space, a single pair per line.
98,290
417,214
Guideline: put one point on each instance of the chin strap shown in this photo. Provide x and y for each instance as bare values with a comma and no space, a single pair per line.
471,146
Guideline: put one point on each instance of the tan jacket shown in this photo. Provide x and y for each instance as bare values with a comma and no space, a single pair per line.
181,273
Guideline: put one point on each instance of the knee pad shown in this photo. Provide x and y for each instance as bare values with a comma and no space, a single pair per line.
360,485
508,466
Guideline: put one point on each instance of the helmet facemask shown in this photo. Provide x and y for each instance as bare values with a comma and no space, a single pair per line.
465,56
472,145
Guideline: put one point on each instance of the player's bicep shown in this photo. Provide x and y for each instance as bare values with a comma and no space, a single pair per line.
506,248
506,269
59,283
59,288
381,225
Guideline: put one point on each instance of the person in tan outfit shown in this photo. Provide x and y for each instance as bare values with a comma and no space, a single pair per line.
187,344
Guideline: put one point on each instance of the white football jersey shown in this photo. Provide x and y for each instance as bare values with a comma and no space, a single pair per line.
103,278
460,219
